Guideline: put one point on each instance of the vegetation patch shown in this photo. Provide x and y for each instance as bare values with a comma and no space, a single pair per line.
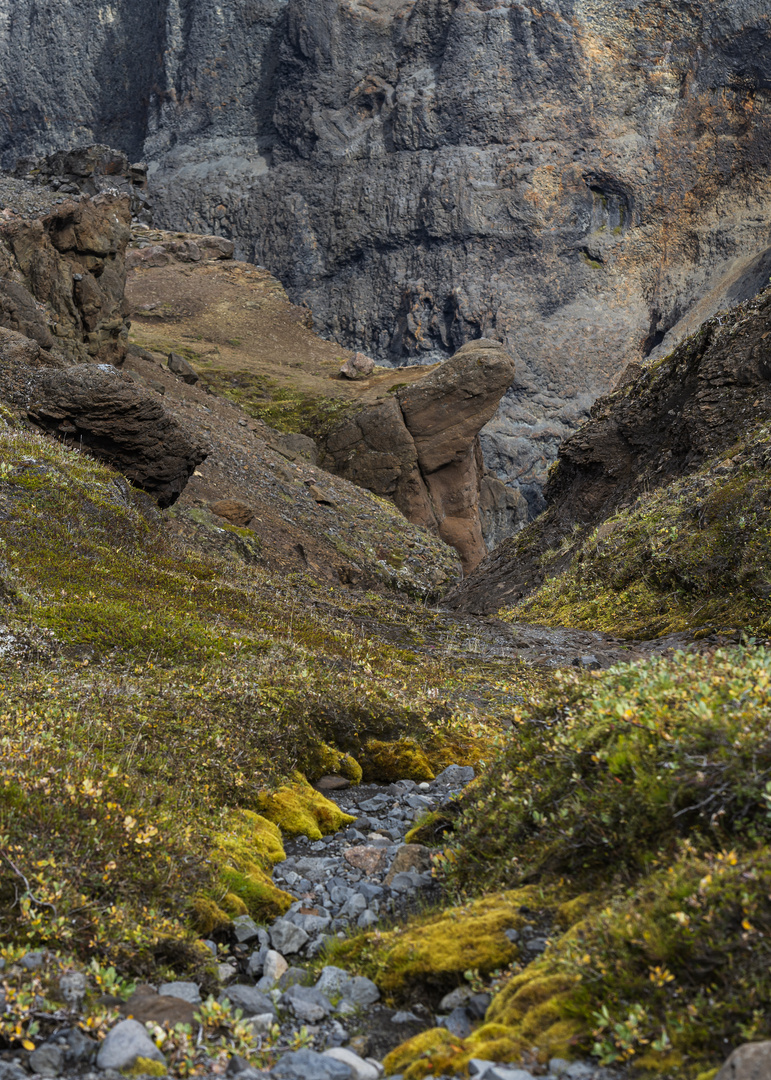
694,554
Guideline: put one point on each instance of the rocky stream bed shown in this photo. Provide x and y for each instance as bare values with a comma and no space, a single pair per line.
322,1024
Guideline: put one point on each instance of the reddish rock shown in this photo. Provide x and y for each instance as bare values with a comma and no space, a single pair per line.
237,513
371,860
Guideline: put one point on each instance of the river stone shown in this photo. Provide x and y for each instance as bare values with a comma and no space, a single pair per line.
369,859
73,988
245,929
500,1072
187,991
360,990
127,1041
308,1065
274,966
248,999
752,1061
361,1069
286,938
458,1023
410,857
307,1003
47,1060
147,1006
332,979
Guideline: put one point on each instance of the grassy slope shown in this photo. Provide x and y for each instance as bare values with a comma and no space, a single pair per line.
153,694
692,555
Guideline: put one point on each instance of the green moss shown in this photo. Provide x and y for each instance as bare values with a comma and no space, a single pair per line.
328,760
287,409
146,1067
434,952
430,1052
301,810
245,851
694,554
390,761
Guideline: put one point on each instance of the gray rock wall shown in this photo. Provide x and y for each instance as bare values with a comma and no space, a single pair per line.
572,177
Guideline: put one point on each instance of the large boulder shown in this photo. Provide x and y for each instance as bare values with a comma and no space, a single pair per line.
420,447
104,410
445,411
752,1061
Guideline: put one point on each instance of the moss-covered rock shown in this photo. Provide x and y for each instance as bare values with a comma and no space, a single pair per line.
301,810
389,761
245,851
329,760
431,1051
434,952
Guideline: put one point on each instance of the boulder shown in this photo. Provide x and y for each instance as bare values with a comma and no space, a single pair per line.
410,857
361,1069
147,1006
752,1061
248,999
180,367
357,366
185,991
237,513
308,1065
127,1041
307,1003
369,859
47,1060
103,410
445,411
286,938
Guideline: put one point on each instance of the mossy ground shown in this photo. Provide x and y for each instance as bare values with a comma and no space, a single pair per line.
692,555
155,698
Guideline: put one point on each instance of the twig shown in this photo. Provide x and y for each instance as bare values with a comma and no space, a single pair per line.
33,898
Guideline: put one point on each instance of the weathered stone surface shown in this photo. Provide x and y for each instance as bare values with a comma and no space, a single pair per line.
127,1041
410,857
358,366
369,859
179,366
503,510
659,425
445,411
237,513
247,998
104,410
422,449
64,277
146,1005
752,1061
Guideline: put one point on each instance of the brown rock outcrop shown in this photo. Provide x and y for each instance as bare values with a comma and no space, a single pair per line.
103,409
663,421
421,447
63,276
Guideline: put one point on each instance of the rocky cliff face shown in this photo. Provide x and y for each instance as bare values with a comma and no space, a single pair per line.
581,180
665,422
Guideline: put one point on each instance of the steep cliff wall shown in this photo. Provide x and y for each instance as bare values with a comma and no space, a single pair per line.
572,177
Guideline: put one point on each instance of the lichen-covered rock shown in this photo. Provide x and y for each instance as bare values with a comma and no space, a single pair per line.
105,411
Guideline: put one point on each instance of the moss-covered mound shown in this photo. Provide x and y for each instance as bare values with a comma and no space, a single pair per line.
156,698
650,785
693,555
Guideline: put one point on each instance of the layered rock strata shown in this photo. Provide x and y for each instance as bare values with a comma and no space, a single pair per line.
579,180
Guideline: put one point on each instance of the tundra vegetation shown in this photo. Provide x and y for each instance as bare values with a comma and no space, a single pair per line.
167,704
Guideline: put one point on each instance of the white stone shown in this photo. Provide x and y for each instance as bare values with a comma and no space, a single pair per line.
361,1069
